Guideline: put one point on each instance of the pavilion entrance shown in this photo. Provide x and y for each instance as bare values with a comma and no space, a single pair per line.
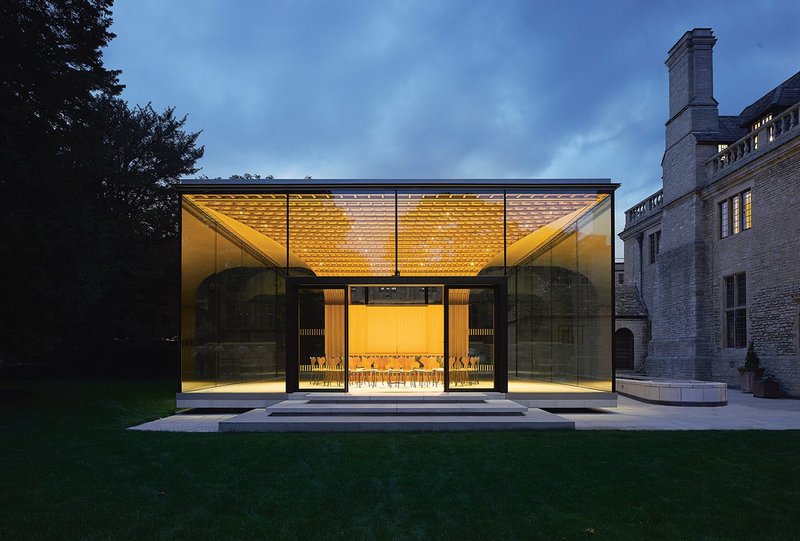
365,336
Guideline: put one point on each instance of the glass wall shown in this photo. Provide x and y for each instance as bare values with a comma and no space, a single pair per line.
553,245
560,304
233,326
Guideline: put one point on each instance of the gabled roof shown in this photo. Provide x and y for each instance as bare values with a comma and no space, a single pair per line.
730,129
628,303
782,96
733,128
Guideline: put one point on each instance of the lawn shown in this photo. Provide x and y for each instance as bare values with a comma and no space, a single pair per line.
70,470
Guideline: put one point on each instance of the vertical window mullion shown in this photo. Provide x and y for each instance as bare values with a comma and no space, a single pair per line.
735,310
747,209
723,219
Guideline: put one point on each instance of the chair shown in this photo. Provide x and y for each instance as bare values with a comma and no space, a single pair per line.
394,372
424,371
473,376
336,370
457,371
316,371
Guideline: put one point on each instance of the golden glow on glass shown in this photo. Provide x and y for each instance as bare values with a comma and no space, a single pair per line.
440,234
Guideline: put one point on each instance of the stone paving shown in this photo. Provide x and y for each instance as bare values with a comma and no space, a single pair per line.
743,412
186,422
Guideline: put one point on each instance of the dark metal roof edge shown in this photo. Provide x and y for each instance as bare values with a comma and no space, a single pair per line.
260,185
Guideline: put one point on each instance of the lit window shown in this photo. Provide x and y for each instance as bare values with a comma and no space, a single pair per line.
720,148
735,214
761,122
747,210
736,311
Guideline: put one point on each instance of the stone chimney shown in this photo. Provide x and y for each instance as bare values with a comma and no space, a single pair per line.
681,345
692,111
691,71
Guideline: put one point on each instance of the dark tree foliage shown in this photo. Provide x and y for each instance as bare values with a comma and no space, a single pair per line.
89,249
50,70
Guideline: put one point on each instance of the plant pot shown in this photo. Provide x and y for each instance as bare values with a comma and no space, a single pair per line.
748,376
767,389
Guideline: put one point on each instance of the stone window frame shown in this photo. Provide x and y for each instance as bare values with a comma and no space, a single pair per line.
655,245
734,309
735,214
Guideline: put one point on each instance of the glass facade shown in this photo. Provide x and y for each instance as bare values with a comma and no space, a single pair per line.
560,304
233,299
551,248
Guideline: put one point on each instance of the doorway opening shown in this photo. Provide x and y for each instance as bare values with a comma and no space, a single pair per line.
396,337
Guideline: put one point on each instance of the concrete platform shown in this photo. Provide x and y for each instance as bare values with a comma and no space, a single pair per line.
259,421
332,412
384,407
220,400
743,412
223,400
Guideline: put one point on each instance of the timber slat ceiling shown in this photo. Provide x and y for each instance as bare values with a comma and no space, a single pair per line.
353,234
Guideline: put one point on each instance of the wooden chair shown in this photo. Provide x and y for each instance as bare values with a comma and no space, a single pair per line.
316,371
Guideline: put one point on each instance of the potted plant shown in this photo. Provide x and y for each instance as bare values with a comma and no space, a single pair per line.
751,371
767,387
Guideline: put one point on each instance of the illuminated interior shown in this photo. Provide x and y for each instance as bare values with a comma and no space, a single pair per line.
352,234
551,247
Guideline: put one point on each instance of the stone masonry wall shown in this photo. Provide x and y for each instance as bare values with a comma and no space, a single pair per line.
680,346
769,253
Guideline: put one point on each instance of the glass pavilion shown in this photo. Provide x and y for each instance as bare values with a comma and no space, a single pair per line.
386,285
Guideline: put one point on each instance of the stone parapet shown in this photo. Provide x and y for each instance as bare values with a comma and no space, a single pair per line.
780,129
647,207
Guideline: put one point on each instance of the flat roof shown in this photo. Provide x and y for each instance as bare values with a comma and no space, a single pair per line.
255,185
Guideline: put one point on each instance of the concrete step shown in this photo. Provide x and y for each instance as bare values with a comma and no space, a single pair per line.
403,407
396,397
258,420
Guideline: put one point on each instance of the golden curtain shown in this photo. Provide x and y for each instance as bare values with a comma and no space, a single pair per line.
334,322
458,322
396,329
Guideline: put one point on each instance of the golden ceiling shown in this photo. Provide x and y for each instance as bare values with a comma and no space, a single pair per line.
354,234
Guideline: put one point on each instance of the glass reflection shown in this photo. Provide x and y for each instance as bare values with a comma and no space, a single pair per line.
232,299
559,294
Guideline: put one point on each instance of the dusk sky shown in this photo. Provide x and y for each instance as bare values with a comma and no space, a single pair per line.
436,89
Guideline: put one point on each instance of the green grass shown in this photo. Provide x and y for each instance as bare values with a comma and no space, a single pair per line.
70,470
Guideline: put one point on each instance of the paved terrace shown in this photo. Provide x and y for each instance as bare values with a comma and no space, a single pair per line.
743,412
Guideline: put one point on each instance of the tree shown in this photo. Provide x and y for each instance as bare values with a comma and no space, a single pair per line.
50,70
141,154
89,219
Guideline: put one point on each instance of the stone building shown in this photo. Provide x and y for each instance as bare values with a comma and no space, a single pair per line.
715,255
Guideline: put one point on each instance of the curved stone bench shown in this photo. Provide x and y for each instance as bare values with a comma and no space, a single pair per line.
674,392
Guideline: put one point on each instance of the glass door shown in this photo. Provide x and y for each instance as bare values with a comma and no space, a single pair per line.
470,339
322,338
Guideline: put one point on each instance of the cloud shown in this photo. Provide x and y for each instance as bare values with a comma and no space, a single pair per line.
438,89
